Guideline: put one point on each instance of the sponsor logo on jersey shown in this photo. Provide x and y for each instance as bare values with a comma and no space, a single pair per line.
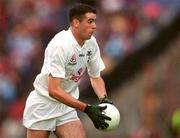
78,76
73,61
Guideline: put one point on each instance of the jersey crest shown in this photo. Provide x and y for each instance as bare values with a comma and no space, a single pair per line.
73,60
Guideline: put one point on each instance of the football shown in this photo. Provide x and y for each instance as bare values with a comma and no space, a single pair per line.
114,114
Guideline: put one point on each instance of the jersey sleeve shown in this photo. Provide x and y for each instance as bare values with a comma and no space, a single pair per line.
56,61
96,64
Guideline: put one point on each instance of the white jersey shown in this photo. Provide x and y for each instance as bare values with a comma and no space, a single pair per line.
65,59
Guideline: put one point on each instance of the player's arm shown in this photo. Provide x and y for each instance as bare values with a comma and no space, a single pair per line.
99,88
93,111
59,94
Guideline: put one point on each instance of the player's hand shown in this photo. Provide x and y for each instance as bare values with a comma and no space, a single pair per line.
95,114
105,99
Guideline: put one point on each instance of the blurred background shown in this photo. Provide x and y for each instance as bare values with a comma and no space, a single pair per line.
140,45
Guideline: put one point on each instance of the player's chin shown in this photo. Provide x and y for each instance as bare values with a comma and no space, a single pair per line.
88,37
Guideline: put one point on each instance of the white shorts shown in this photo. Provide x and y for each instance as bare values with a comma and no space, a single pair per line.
41,113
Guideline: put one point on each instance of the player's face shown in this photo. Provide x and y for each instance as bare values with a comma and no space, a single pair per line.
87,26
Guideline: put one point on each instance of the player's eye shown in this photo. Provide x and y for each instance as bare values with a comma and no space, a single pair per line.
91,21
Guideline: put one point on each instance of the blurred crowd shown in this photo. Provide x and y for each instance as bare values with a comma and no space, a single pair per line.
26,27
160,96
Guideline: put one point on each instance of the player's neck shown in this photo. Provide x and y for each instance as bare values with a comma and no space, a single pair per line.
78,39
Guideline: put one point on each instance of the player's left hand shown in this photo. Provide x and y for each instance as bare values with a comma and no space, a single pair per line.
105,99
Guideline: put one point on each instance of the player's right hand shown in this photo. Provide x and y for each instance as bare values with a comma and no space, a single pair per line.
95,114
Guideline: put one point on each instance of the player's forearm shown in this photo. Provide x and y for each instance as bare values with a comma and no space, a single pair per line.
98,86
60,95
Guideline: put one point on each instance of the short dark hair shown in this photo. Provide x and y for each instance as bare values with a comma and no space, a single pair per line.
79,10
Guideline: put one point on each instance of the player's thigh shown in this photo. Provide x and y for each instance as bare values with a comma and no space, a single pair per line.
37,133
73,129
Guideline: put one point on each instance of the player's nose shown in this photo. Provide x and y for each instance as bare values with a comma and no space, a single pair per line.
94,26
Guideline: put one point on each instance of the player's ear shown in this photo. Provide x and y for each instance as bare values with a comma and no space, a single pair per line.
75,22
